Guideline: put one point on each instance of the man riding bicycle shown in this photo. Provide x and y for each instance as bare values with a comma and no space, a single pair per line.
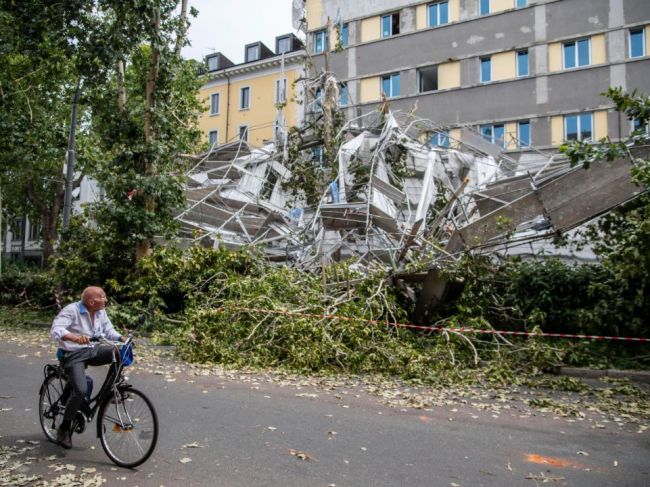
73,328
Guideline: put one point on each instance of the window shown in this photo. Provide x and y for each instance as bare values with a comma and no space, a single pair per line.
523,134
440,139
345,35
318,101
427,79
495,134
284,45
213,63
214,104
522,63
213,137
486,69
484,7
280,90
344,95
34,232
252,53
577,53
636,125
320,41
578,127
637,42
390,85
245,98
390,25
521,3
243,133
438,13
317,153
18,230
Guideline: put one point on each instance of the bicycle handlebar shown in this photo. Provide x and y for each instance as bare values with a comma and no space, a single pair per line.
94,340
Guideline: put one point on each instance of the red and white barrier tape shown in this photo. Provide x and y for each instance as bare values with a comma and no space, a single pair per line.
434,328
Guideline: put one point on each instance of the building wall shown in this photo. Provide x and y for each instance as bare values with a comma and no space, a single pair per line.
262,113
542,28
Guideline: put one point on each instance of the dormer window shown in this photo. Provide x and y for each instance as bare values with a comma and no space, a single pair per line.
284,45
217,61
287,43
213,63
256,51
252,53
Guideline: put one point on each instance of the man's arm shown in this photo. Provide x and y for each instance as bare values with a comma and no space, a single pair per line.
108,328
60,325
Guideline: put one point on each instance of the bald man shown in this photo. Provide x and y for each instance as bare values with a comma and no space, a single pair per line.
73,328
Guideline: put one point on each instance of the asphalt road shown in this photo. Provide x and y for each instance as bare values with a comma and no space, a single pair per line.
257,432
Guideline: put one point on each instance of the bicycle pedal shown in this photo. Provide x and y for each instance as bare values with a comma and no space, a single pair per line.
80,423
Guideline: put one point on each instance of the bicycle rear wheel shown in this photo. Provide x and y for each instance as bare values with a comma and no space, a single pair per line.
128,428
50,407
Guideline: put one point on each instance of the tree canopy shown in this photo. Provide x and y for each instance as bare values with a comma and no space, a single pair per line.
138,110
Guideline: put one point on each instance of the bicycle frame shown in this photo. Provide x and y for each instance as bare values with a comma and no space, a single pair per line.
112,385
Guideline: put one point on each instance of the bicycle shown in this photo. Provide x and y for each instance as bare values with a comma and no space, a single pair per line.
127,423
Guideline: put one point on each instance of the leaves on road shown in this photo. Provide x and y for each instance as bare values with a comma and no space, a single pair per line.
192,445
13,470
301,455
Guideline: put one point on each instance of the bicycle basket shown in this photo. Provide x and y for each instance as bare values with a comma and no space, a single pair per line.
126,355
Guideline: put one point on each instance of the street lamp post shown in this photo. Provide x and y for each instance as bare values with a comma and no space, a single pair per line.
67,202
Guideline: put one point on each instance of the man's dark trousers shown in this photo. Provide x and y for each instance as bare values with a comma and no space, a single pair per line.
74,364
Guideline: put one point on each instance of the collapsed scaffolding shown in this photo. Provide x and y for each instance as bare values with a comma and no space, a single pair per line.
389,196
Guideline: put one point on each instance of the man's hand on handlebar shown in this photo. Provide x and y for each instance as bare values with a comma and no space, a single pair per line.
80,339
85,340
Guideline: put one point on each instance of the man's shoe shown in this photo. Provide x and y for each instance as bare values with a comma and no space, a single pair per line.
64,438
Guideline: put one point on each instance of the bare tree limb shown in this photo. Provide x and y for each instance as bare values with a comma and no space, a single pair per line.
180,39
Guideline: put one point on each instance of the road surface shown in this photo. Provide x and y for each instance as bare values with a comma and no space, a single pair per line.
221,428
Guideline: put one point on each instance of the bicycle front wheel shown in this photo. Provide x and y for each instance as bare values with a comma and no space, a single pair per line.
50,405
128,427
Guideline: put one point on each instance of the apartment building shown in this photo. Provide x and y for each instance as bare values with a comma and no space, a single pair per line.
21,238
256,100
520,73
22,242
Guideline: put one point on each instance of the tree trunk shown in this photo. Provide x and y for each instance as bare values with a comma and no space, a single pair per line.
143,248
49,217
152,77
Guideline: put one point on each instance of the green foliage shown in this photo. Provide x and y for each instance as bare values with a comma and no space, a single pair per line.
24,285
142,135
171,279
557,297
311,175
131,129
236,309
19,316
208,287
622,237
89,255
37,82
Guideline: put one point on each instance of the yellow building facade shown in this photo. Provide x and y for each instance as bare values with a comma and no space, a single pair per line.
256,101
